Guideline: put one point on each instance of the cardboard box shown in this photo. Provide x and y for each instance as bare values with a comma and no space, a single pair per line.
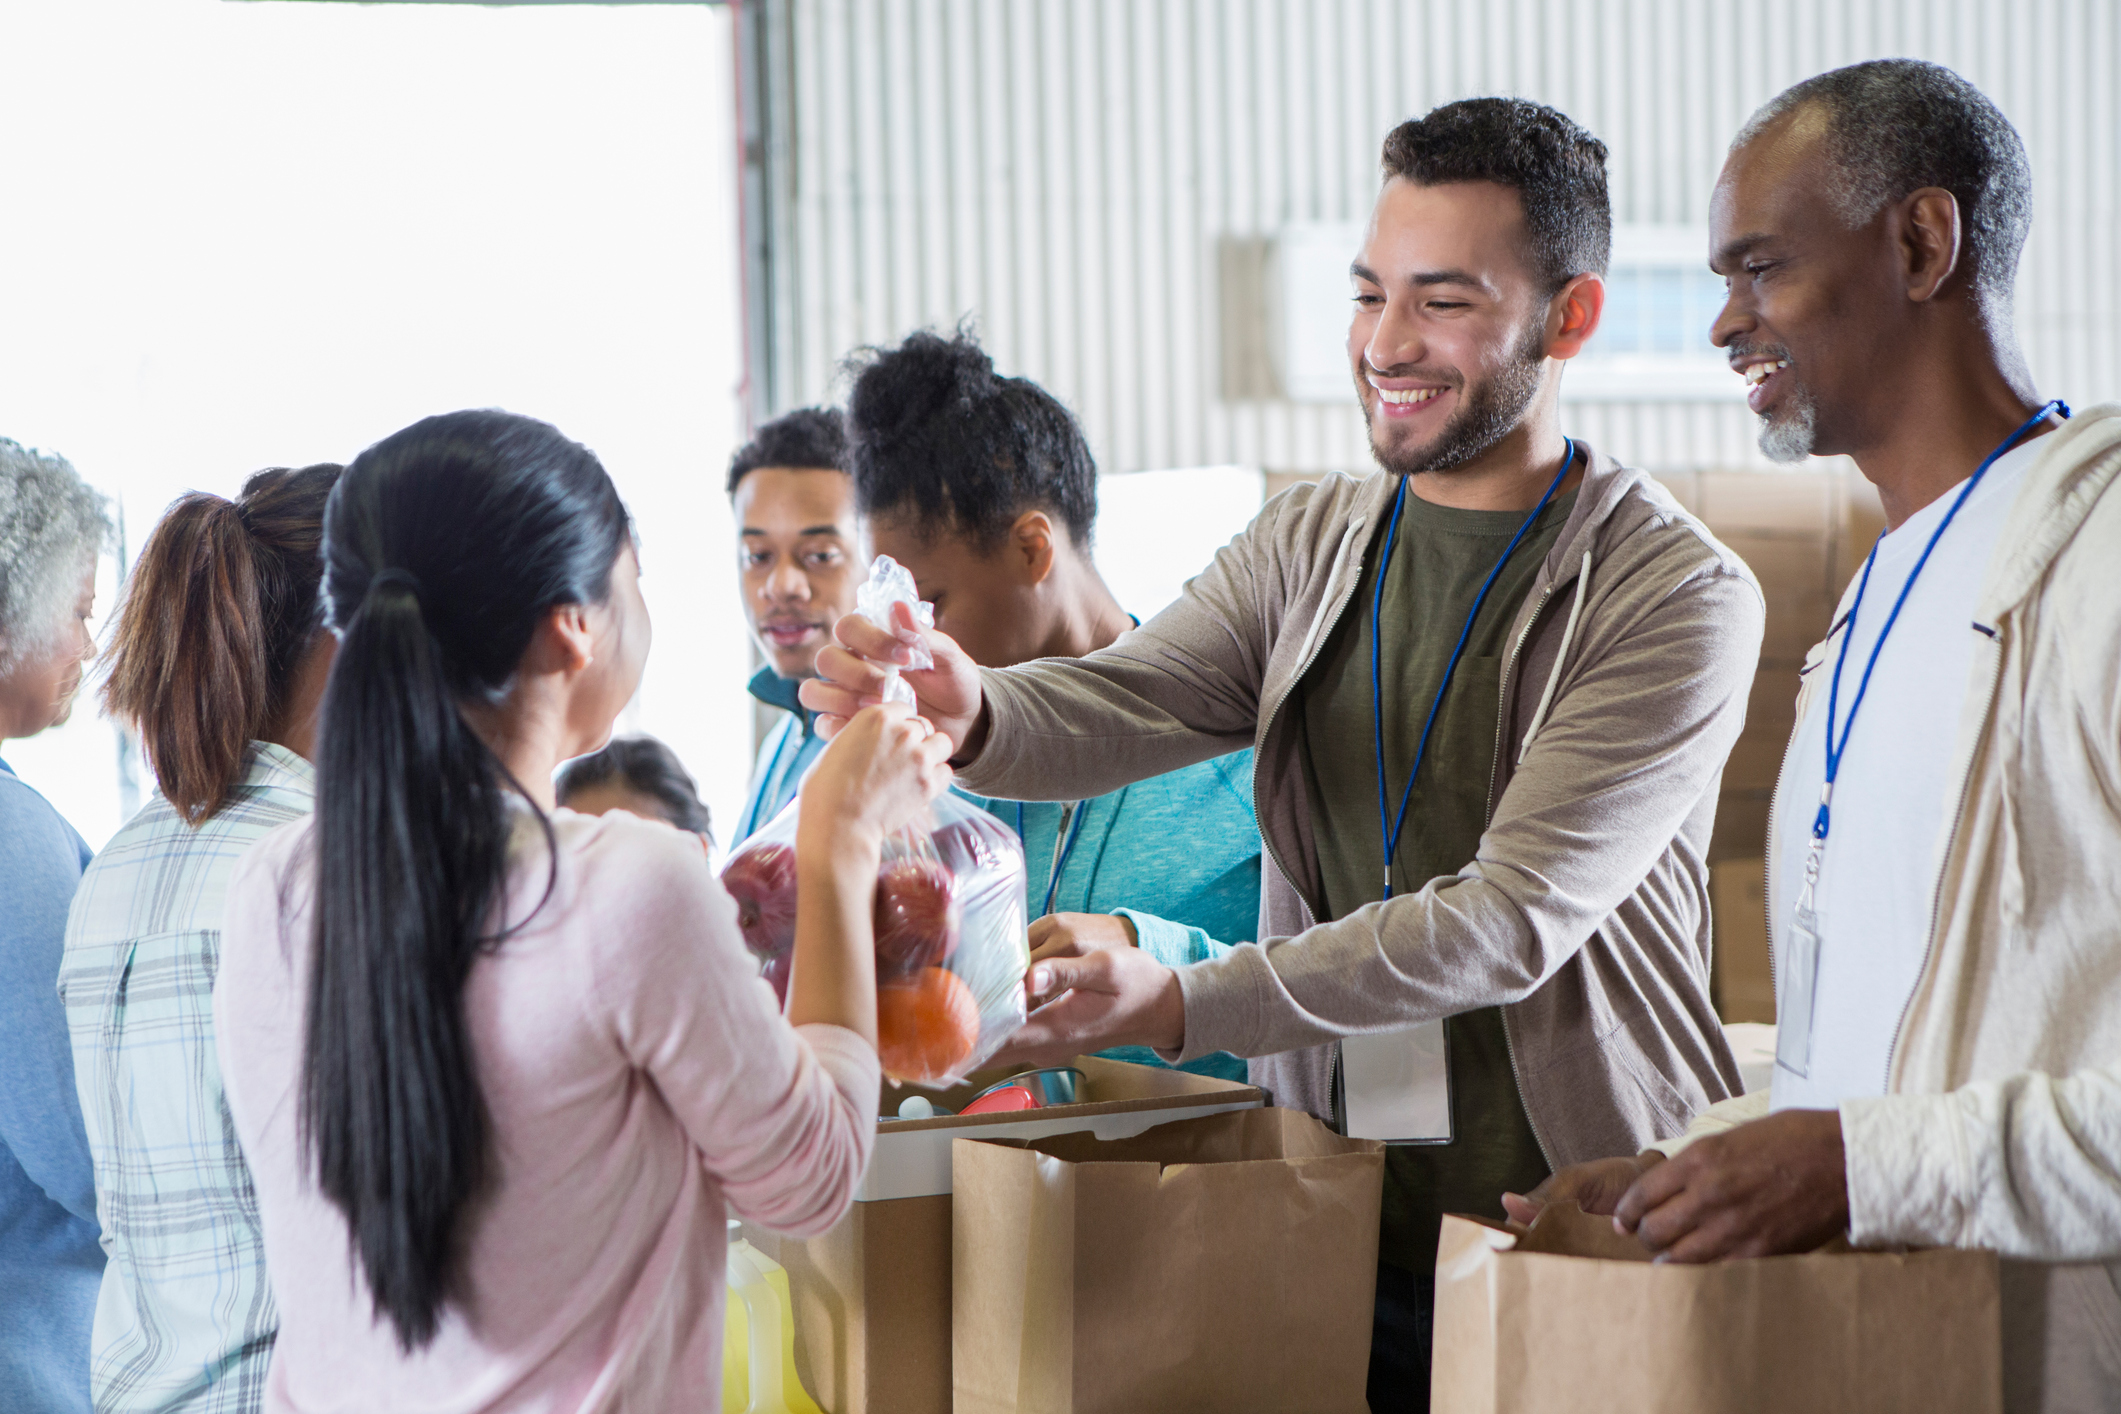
1862,522
1755,761
1798,502
1216,1265
872,1296
1741,825
1795,563
1794,528
1743,978
1685,487
1771,706
1572,1315
1797,618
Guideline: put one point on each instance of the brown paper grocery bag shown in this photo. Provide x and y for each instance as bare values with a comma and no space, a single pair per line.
1221,1264
1572,1315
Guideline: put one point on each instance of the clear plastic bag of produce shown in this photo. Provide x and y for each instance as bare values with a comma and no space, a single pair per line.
951,949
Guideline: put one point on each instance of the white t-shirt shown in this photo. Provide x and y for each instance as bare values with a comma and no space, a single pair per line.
1892,805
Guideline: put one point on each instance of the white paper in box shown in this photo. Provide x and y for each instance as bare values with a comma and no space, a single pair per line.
912,1157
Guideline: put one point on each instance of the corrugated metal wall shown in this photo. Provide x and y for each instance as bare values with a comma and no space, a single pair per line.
1089,179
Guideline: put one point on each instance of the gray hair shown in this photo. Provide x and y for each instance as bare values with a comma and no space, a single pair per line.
1895,126
52,525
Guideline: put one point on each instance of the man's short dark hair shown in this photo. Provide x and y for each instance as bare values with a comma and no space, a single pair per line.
646,767
1556,168
1895,126
931,430
805,438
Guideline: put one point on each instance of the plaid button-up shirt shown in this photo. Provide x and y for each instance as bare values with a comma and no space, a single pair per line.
185,1318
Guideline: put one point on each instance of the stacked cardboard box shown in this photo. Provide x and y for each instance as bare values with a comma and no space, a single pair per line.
872,1296
1804,532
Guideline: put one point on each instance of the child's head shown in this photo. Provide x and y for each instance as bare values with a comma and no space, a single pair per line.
982,486
637,774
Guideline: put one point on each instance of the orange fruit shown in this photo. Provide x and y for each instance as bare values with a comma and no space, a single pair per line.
926,1026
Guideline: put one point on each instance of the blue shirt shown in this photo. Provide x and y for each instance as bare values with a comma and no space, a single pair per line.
50,1262
1177,855
784,757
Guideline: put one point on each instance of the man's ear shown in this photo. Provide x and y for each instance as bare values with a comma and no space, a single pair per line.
1029,549
1929,240
563,642
1573,315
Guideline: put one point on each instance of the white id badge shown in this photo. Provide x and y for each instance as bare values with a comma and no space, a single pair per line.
1397,1086
1800,977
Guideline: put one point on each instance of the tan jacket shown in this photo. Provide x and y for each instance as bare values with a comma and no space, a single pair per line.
2002,1125
1584,914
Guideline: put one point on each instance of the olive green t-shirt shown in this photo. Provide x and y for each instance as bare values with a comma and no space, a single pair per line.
1442,556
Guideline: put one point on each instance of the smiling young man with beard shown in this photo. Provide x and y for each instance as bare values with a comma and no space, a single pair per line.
1944,862
801,558
1516,660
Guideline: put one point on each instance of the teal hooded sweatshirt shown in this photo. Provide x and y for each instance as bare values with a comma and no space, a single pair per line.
1177,855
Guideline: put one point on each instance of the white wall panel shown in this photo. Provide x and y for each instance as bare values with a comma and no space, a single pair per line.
1078,177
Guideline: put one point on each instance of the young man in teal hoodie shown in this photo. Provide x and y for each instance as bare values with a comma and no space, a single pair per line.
800,553
984,488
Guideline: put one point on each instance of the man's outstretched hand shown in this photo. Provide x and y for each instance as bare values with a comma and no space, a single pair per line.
850,676
1111,997
1776,1185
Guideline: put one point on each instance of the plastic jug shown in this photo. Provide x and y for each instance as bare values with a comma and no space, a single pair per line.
758,1337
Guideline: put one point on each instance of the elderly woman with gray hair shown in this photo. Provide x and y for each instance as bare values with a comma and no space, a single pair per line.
52,527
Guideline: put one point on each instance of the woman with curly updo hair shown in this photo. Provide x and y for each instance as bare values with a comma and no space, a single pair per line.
52,527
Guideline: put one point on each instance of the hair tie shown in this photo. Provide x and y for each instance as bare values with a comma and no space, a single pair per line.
403,578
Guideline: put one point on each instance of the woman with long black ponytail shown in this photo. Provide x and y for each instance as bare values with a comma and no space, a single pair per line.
498,1067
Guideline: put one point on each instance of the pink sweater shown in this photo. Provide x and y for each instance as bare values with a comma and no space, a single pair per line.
640,1081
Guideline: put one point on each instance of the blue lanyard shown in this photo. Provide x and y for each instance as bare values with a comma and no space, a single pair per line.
1064,847
1393,826
769,787
1834,751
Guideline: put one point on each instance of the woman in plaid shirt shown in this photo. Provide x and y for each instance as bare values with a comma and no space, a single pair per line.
219,660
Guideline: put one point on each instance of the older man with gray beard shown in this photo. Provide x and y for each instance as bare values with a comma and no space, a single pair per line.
1944,853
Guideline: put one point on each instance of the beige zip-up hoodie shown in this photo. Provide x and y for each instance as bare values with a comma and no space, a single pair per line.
1584,914
2001,1127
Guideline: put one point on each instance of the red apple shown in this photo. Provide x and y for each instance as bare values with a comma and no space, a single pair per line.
916,917
762,881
